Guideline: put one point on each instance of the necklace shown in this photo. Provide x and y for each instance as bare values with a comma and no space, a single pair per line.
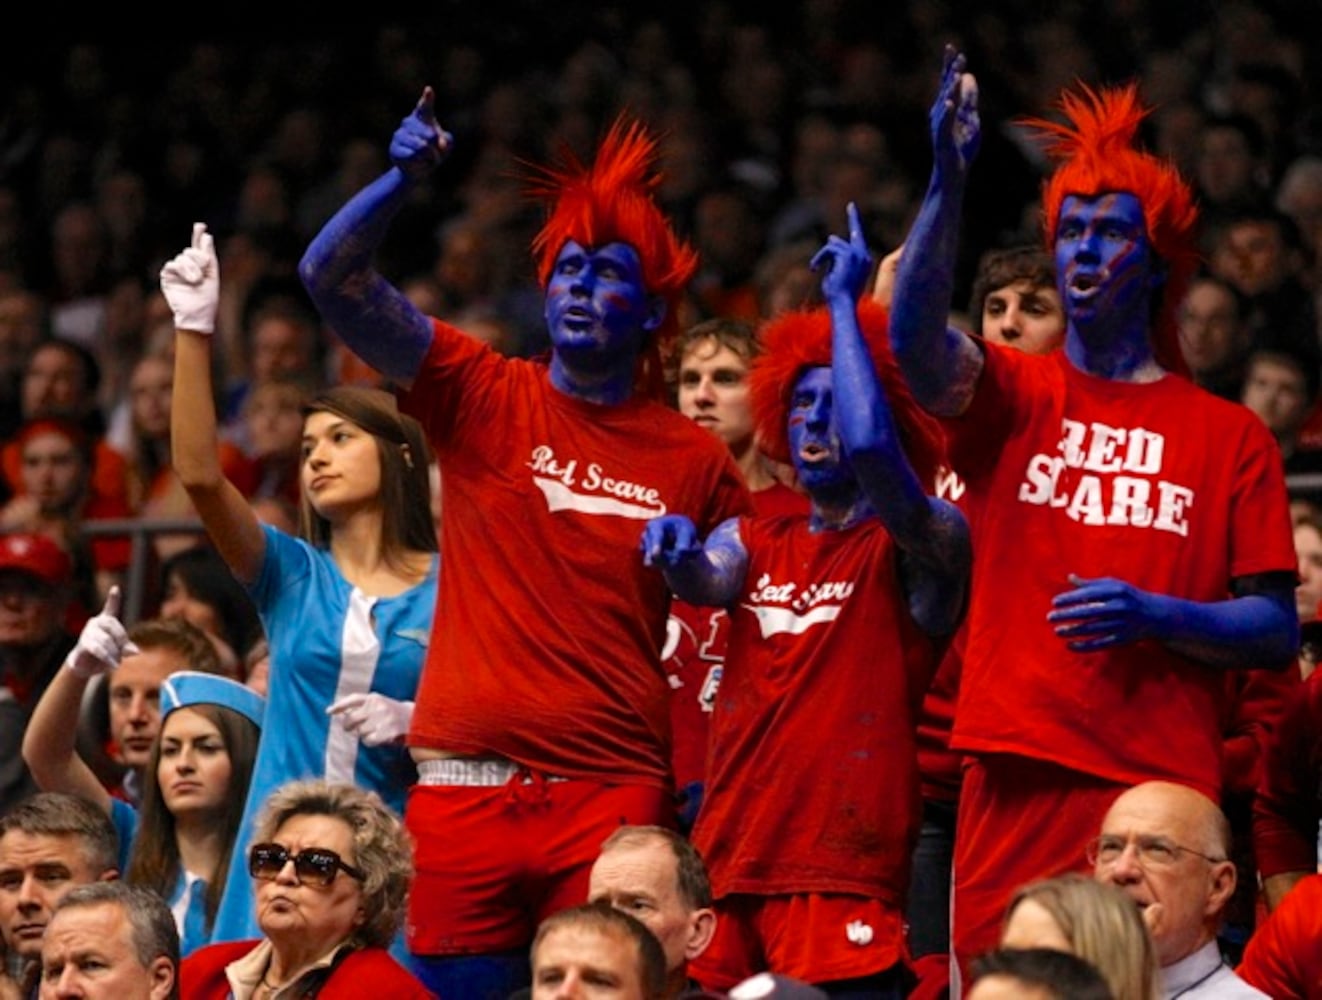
1199,982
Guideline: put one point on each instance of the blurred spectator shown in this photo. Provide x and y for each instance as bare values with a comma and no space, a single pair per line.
1308,546
1260,252
198,587
35,576
1281,388
60,382
1214,336
1232,172
284,343
55,499
1299,195
23,319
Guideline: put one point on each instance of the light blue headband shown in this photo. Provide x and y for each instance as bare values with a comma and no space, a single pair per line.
192,687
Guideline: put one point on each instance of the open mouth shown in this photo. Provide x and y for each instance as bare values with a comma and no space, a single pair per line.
1084,285
813,452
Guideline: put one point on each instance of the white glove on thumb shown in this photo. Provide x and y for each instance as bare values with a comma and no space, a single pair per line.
191,283
102,643
373,718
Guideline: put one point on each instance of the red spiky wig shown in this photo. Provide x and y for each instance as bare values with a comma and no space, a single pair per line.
1096,155
801,339
613,201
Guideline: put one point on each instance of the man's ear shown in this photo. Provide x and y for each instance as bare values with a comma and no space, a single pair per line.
702,928
1221,882
162,972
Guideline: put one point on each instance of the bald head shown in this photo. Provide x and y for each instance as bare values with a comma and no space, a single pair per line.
1167,846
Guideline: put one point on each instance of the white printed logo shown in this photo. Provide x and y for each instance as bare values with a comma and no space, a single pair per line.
1108,476
858,932
596,493
787,609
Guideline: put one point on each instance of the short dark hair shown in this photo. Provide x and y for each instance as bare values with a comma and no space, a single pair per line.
1003,266
690,871
57,814
181,637
152,928
1064,975
603,917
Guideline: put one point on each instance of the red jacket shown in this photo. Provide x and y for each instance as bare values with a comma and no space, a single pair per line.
363,973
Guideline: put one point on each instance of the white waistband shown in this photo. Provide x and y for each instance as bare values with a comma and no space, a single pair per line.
485,772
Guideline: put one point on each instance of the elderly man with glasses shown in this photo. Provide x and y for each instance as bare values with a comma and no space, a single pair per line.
1168,847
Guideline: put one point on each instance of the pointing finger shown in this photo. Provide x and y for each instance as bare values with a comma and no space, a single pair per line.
112,602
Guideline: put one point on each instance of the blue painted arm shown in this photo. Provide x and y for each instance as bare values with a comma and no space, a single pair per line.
941,364
932,535
375,319
710,574
1255,630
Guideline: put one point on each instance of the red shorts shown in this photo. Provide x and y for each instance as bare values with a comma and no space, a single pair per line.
1019,820
493,861
810,936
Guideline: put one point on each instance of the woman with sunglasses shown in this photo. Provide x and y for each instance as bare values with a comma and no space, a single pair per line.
330,866
347,605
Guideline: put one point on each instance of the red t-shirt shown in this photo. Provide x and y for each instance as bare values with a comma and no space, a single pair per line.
812,778
1288,805
1284,956
695,650
1161,485
546,644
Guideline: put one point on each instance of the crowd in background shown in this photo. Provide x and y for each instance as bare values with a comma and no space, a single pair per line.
770,123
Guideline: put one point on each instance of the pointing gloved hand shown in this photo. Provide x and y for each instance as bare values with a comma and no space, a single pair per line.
191,283
102,643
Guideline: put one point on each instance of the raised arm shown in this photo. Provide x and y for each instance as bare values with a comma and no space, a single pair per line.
710,573
50,742
932,535
374,318
191,283
941,364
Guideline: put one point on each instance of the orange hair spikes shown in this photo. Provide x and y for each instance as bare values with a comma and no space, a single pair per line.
613,201
801,339
1097,154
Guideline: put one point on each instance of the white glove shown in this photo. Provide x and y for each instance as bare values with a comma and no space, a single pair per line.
191,283
102,643
374,718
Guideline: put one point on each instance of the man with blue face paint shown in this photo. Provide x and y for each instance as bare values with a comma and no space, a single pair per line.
837,619
1132,535
542,718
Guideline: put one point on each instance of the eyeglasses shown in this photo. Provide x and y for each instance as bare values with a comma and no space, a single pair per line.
1152,852
315,866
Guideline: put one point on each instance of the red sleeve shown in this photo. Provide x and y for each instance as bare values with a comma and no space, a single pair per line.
1283,957
1255,702
1286,809
974,435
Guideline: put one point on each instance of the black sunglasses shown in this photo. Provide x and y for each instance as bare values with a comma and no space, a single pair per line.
316,866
